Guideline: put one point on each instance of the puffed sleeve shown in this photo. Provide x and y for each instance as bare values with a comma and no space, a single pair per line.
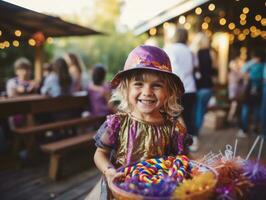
180,140
106,136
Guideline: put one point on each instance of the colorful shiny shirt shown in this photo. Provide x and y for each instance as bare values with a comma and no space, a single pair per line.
131,140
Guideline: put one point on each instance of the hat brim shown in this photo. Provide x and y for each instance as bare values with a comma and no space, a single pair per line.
117,78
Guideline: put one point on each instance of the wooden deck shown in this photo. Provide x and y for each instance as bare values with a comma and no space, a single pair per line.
31,181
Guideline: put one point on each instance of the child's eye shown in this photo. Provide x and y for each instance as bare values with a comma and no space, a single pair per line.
138,84
157,85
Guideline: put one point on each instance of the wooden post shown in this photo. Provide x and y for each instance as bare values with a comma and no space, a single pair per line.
54,164
38,63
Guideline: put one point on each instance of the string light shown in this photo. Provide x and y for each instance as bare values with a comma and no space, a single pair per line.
204,25
222,21
252,28
231,26
198,10
243,22
15,43
263,21
153,31
245,10
243,16
246,31
182,19
2,46
17,33
241,37
6,44
258,18
49,40
165,25
32,42
211,7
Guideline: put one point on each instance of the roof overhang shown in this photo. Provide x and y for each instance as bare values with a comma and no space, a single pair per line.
183,6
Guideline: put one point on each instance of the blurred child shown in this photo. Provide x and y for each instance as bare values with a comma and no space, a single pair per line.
146,126
99,92
21,84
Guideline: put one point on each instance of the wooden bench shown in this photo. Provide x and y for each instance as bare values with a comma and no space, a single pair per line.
54,105
56,149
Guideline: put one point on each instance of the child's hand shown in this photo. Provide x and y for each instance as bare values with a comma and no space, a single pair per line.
110,174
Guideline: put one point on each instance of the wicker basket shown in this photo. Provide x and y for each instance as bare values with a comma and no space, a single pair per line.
121,194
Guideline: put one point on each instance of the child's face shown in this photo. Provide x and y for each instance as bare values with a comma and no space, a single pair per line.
146,95
22,74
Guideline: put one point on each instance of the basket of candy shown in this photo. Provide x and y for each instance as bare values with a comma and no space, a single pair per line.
173,178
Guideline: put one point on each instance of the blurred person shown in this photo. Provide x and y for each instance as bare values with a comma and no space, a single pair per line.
235,87
21,84
99,92
47,69
253,77
75,67
58,82
203,74
183,61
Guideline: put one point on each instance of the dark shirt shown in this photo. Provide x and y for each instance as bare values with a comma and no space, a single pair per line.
205,69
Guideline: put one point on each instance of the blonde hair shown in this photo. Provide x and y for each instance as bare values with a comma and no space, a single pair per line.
171,106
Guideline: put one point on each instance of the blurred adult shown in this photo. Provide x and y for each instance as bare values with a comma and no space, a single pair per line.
75,67
235,87
203,76
59,81
99,92
253,76
182,60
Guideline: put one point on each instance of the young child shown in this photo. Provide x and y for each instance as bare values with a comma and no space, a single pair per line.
148,93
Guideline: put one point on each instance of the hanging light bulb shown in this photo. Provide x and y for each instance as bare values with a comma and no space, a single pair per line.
153,31
258,18
245,10
32,42
211,7
198,10
231,26
222,21
15,43
17,33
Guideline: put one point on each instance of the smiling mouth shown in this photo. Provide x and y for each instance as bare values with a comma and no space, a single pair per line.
147,102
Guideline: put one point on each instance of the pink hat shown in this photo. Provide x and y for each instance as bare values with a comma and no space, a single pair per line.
147,57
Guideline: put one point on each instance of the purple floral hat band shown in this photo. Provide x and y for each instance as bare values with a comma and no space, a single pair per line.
147,57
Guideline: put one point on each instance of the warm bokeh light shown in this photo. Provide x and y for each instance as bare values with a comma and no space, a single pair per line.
204,25
17,33
198,10
49,40
165,25
231,26
245,10
246,31
222,21
153,31
6,44
32,42
236,31
243,22
258,18
211,7
15,43
243,16
241,37
263,22
182,19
